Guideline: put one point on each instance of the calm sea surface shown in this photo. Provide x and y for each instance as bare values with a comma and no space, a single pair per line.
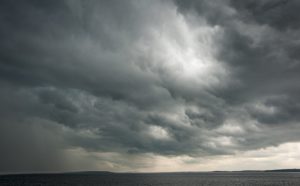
159,179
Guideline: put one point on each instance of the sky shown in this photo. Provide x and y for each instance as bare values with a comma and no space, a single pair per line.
149,86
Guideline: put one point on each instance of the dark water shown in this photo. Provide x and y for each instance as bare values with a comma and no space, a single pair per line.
167,179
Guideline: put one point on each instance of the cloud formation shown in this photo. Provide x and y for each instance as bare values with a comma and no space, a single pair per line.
113,85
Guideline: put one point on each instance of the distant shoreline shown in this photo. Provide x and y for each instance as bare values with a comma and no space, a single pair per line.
108,172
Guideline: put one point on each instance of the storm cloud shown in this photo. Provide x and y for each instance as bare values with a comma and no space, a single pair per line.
90,85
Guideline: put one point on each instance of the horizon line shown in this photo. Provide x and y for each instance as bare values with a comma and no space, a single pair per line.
157,172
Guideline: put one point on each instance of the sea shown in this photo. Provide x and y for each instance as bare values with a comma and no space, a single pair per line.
155,179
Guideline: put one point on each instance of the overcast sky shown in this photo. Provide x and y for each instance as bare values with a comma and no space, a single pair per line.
139,85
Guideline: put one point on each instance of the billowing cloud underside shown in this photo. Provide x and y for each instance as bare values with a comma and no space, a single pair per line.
129,78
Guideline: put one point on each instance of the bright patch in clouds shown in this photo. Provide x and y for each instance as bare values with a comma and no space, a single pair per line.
158,133
177,49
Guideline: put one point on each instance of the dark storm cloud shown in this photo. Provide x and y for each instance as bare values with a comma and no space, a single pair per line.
280,14
103,76
260,40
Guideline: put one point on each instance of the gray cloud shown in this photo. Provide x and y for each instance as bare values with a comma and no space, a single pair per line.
170,78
